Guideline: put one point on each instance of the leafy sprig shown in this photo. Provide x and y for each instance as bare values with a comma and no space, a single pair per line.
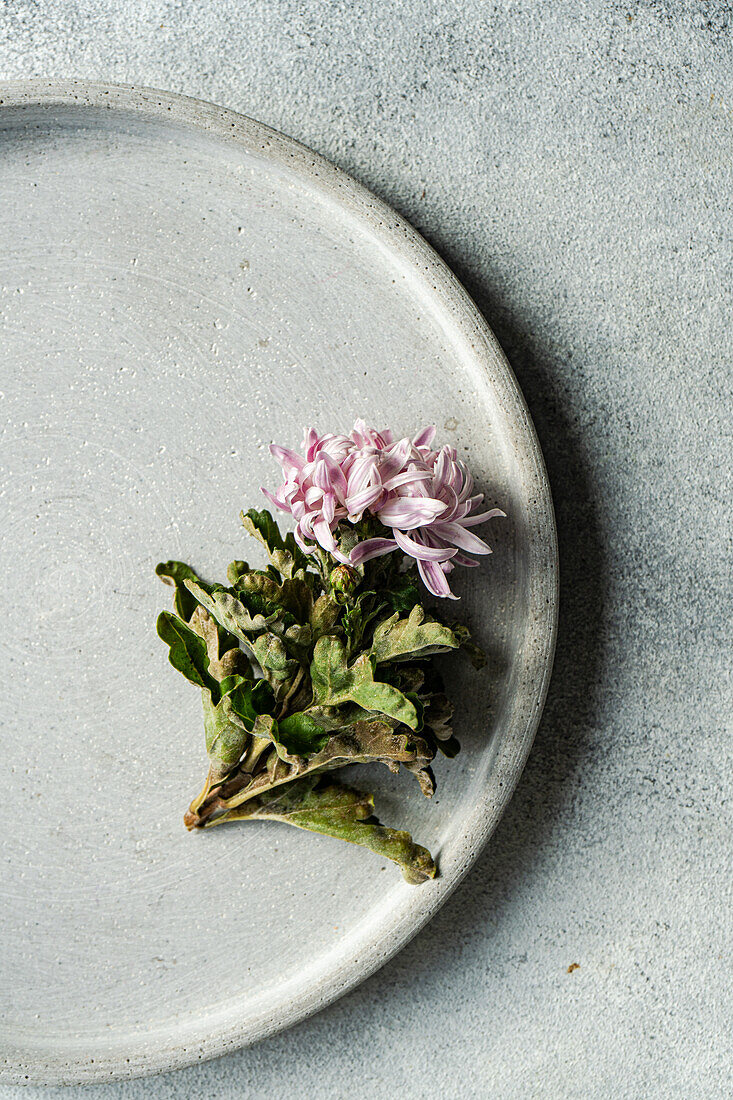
304,667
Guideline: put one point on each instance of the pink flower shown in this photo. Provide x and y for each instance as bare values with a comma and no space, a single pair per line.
423,496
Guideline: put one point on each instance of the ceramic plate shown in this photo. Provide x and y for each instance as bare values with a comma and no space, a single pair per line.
179,286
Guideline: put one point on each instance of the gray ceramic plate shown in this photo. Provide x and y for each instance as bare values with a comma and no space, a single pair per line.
180,285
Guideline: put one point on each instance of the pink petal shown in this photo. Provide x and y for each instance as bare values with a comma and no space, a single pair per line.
305,523
337,481
450,499
371,548
286,457
361,501
453,532
443,465
360,473
465,506
421,488
462,559
309,443
422,552
425,437
324,535
321,473
406,477
360,432
301,543
394,458
434,579
273,499
467,488
481,517
410,512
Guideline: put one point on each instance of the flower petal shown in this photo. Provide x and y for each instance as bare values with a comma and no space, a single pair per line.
394,458
309,443
360,472
434,579
273,499
481,517
412,474
410,512
425,437
371,548
455,533
302,544
422,552
463,559
286,457
363,500
324,535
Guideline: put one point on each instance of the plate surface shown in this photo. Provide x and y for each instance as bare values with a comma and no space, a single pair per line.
179,286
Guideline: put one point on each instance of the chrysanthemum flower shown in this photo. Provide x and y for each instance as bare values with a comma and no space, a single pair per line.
424,497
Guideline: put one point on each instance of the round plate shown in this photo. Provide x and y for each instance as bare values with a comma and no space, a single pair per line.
179,286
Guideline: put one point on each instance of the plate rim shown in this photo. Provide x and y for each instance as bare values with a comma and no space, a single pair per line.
543,590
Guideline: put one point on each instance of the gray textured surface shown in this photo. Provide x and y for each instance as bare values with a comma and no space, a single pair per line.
573,164
156,245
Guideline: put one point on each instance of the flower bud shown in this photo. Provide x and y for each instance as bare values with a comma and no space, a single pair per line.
343,579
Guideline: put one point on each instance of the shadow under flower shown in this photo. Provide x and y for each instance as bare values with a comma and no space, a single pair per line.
564,738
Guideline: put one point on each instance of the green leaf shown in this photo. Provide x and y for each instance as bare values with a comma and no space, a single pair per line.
402,594
188,651
235,569
226,739
363,738
398,639
359,615
301,735
419,707
300,637
284,553
272,654
406,675
225,656
177,573
229,611
324,615
229,723
352,737
297,597
277,667
322,805
334,682
266,596
248,699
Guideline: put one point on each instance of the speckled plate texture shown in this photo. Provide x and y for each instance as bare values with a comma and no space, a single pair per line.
180,285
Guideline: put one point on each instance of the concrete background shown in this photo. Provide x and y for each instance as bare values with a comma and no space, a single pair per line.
573,163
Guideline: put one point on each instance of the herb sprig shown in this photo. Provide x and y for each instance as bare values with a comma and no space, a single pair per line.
305,666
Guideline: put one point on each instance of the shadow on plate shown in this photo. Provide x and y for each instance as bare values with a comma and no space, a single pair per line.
564,739
496,885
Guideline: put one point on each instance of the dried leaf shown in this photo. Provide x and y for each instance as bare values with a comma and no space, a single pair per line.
272,656
187,651
324,615
398,639
229,611
177,573
322,805
335,682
